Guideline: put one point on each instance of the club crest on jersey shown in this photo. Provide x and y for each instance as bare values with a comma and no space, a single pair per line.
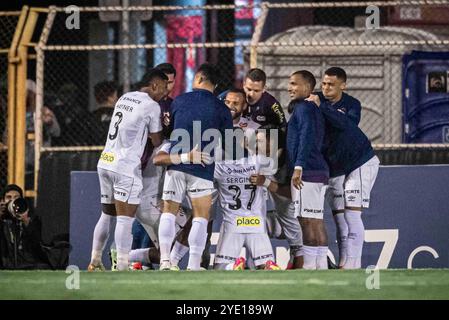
248,222
107,157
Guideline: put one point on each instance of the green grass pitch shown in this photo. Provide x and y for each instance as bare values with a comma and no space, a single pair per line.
292,284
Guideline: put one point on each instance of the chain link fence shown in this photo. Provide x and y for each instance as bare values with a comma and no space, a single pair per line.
404,100
85,69
8,22
87,66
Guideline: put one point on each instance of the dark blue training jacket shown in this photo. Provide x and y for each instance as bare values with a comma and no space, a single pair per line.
305,133
198,105
347,105
346,147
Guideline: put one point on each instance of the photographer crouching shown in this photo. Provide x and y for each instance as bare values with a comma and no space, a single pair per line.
20,233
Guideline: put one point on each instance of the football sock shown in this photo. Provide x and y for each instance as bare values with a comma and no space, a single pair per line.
342,236
356,236
177,253
321,261
123,241
310,257
140,255
197,242
167,232
101,235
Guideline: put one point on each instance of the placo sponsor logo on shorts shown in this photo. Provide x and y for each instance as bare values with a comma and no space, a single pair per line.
248,222
107,157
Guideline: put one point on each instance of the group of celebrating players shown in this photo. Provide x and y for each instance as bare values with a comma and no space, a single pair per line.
267,177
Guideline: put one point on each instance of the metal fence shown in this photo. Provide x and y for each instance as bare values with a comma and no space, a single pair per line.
84,69
8,23
84,55
369,40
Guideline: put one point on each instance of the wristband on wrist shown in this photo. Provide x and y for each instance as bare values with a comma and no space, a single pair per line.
267,182
298,168
185,158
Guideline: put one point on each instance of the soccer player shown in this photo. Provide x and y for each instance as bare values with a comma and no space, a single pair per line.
305,133
184,217
189,110
242,198
235,100
136,117
263,108
166,102
332,94
351,159
148,212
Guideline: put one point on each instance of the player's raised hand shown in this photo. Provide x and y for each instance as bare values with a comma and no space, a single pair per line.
315,99
297,179
257,179
198,157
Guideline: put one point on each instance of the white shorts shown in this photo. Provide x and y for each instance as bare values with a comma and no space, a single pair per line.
115,186
229,246
360,182
309,200
177,183
335,193
353,190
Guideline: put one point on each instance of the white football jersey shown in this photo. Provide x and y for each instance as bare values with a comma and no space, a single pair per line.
243,205
135,115
246,123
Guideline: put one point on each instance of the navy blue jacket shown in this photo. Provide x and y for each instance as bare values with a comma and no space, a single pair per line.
305,133
346,147
347,105
203,106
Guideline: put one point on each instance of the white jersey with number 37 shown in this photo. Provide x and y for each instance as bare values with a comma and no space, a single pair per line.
243,204
135,115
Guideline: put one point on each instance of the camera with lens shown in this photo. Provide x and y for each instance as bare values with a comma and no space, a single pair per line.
15,208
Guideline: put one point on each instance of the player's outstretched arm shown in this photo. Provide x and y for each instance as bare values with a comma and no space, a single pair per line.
163,158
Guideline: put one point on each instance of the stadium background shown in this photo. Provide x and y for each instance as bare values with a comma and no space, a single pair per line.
119,44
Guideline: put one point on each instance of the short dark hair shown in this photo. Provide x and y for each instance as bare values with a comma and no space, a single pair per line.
256,75
237,90
103,90
151,75
337,72
12,187
307,76
210,72
166,68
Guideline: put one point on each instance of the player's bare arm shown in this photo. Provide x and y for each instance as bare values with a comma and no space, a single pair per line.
194,156
156,138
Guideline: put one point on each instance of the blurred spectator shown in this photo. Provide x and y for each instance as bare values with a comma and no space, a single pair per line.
105,96
50,129
20,233
77,124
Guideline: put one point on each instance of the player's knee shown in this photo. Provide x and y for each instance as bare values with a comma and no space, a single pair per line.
171,206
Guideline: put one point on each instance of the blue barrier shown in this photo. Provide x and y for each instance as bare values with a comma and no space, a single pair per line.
407,224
